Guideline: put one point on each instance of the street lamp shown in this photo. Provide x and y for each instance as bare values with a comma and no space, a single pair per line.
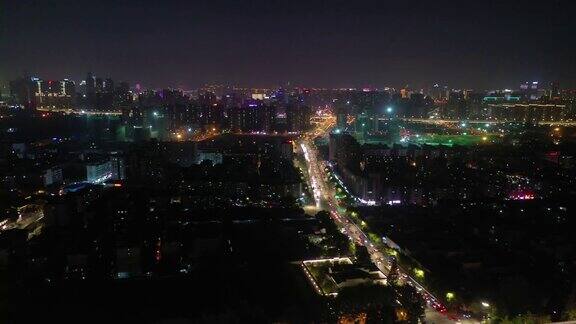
389,110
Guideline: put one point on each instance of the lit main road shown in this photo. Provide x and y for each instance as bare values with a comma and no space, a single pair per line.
70,111
438,121
324,198
29,217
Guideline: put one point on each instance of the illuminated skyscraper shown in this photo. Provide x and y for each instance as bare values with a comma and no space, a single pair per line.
554,92
90,84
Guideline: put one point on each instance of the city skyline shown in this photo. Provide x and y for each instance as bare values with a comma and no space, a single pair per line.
273,161
427,88
316,44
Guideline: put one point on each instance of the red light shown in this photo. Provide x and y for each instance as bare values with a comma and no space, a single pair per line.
521,195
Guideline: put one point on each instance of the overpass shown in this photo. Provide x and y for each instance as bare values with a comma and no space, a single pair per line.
487,121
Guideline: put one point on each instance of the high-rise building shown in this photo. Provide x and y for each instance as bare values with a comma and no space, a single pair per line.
298,117
99,172
531,90
457,106
117,166
341,112
266,115
108,86
90,84
67,88
100,94
212,115
53,176
554,92
254,116
344,150
99,85
90,99
122,96
37,93
418,106
22,91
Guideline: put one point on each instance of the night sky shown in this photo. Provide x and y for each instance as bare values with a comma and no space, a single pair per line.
474,44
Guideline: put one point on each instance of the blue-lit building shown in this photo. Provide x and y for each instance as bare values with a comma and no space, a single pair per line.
99,172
